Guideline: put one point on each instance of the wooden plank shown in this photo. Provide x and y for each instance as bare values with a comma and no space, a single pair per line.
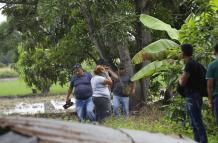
43,132
53,131
72,131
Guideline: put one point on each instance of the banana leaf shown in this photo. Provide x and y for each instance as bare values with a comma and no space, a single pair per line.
214,3
155,51
150,69
156,24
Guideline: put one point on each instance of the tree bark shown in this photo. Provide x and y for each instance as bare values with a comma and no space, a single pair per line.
143,38
125,58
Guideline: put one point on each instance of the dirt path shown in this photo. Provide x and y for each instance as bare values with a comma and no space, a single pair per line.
8,79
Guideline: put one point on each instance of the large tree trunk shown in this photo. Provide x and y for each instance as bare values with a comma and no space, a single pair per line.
125,58
143,38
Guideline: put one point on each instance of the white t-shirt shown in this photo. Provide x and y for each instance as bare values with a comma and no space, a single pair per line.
99,89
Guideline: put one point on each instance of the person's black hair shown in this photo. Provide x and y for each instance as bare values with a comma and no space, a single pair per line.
121,66
187,49
77,66
216,48
101,62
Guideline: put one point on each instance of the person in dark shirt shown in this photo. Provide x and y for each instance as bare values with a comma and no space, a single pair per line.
80,85
120,96
190,81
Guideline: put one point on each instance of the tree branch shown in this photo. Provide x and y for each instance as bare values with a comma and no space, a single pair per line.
27,2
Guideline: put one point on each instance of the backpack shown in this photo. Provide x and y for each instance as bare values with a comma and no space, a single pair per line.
202,81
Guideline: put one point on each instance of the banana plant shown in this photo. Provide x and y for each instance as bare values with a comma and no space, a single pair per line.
151,68
156,24
156,51
214,3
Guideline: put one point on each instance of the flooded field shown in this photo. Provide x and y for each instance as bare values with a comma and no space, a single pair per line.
34,105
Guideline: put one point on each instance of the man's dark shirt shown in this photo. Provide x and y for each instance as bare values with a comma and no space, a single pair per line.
82,86
118,85
194,71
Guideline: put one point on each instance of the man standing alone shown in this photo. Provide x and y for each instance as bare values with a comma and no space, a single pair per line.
190,81
212,83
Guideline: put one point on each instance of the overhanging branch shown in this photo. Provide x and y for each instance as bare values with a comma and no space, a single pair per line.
27,2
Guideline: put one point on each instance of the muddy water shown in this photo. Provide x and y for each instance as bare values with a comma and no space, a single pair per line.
34,105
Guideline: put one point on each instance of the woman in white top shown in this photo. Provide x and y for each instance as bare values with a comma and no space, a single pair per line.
101,94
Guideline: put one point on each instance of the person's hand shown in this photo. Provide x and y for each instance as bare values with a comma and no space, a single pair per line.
68,99
210,103
133,92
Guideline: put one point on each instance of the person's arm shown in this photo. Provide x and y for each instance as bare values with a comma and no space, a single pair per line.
133,87
70,90
210,84
69,93
114,76
184,78
210,91
108,80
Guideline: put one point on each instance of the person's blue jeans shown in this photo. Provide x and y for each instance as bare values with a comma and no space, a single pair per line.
194,104
84,109
124,101
215,101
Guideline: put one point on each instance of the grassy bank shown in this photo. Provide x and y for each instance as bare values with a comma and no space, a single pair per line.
7,72
18,87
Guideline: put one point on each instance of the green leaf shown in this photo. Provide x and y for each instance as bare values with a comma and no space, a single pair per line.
154,51
157,24
214,3
150,69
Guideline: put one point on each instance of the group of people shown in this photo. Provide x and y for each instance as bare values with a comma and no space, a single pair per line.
93,93
190,80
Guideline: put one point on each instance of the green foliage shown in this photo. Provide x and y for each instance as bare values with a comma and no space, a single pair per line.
201,31
56,35
151,68
9,40
155,51
157,24
153,122
159,50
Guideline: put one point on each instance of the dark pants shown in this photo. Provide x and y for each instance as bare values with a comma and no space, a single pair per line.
194,104
102,108
215,101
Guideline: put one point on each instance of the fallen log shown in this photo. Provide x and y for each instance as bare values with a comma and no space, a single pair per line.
37,130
